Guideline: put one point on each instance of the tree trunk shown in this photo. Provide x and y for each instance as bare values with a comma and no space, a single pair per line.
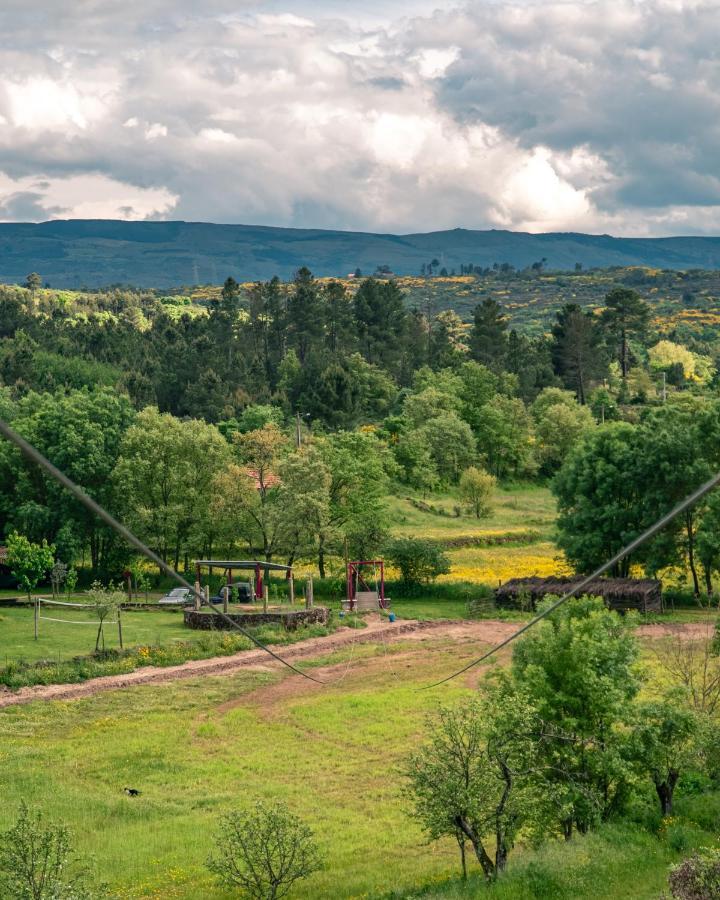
321,556
708,580
624,354
501,854
567,827
665,790
691,552
486,863
463,861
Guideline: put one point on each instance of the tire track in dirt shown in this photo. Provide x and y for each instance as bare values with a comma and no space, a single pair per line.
485,631
377,629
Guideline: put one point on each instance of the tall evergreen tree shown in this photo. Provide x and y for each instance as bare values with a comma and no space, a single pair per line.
305,314
381,321
576,349
625,315
340,332
488,336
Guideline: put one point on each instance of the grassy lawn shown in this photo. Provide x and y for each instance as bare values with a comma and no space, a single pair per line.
59,641
196,749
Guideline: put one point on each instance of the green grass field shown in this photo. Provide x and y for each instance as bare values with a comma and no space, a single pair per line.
197,748
60,641
333,753
519,533
515,509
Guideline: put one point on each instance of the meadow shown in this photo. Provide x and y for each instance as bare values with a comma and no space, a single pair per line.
197,748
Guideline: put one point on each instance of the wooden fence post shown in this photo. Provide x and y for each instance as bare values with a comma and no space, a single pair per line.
292,590
37,617
119,627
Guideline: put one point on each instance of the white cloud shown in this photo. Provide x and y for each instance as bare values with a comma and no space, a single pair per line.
562,114
155,130
43,104
434,61
89,196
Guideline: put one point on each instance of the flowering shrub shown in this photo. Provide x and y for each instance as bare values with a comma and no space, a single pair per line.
698,877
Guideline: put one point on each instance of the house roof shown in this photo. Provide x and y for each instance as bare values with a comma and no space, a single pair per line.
271,480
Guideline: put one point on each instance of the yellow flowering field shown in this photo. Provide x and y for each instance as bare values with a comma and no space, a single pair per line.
491,565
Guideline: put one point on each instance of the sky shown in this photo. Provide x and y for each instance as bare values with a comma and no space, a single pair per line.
382,115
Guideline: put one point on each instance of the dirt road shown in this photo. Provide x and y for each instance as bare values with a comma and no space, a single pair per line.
482,632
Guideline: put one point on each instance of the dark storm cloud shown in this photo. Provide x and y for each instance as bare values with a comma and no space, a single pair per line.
637,83
26,206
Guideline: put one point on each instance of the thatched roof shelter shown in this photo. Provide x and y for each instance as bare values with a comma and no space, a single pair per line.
621,594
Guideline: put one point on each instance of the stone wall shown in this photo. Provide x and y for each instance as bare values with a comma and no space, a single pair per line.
289,619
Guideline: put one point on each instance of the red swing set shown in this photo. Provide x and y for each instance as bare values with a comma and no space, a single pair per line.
359,595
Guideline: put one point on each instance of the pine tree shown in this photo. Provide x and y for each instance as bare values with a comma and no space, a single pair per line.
488,337
305,314
625,315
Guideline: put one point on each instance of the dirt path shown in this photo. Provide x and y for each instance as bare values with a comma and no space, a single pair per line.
378,630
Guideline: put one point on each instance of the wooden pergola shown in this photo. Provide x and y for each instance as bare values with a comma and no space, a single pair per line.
258,567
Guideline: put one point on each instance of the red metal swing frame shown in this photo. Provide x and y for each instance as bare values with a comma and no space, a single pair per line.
353,576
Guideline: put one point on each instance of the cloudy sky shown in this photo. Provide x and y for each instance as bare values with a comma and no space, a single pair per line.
382,115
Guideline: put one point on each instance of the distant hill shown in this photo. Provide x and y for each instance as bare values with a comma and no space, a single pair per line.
96,253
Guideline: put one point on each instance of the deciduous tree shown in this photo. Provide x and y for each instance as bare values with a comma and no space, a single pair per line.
264,851
476,489
29,563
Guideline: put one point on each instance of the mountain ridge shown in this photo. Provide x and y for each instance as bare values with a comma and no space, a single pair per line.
93,253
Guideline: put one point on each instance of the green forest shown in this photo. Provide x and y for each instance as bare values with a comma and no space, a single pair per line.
278,417
466,429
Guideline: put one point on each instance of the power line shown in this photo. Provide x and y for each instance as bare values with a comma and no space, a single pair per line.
35,456
626,551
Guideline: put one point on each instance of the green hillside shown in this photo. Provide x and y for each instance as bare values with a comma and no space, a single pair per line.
95,253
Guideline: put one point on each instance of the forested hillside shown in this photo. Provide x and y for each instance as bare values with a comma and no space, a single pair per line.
97,253
330,395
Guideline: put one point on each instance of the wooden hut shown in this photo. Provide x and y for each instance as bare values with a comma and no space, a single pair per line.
644,595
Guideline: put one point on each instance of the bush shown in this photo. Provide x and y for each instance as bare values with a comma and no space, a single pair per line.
419,561
697,878
476,489
264,851
36,860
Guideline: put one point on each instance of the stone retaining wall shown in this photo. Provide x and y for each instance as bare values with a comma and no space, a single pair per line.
318,615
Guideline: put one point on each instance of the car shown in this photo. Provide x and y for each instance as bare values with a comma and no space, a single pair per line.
176,597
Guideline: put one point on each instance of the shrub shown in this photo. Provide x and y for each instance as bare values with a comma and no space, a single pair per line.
697,878
476,489
419,561
36,861
264,851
